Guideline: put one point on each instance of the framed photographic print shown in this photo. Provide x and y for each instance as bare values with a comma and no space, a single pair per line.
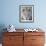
26,13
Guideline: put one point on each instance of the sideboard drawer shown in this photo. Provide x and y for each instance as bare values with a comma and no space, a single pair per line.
13,33
34,33
37,39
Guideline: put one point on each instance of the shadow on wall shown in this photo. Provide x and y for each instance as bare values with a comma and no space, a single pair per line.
2,26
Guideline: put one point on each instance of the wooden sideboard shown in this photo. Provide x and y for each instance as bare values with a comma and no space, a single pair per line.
23,39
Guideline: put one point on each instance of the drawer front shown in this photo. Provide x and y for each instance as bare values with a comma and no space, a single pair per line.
8,45
37,45
12,44
5,39
27,41
12,39
33,39
13,33
37,39
34,33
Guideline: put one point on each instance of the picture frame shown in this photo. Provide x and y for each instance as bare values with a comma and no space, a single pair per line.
26,13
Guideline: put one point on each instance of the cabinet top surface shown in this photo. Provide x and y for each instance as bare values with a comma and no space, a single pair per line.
22,30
